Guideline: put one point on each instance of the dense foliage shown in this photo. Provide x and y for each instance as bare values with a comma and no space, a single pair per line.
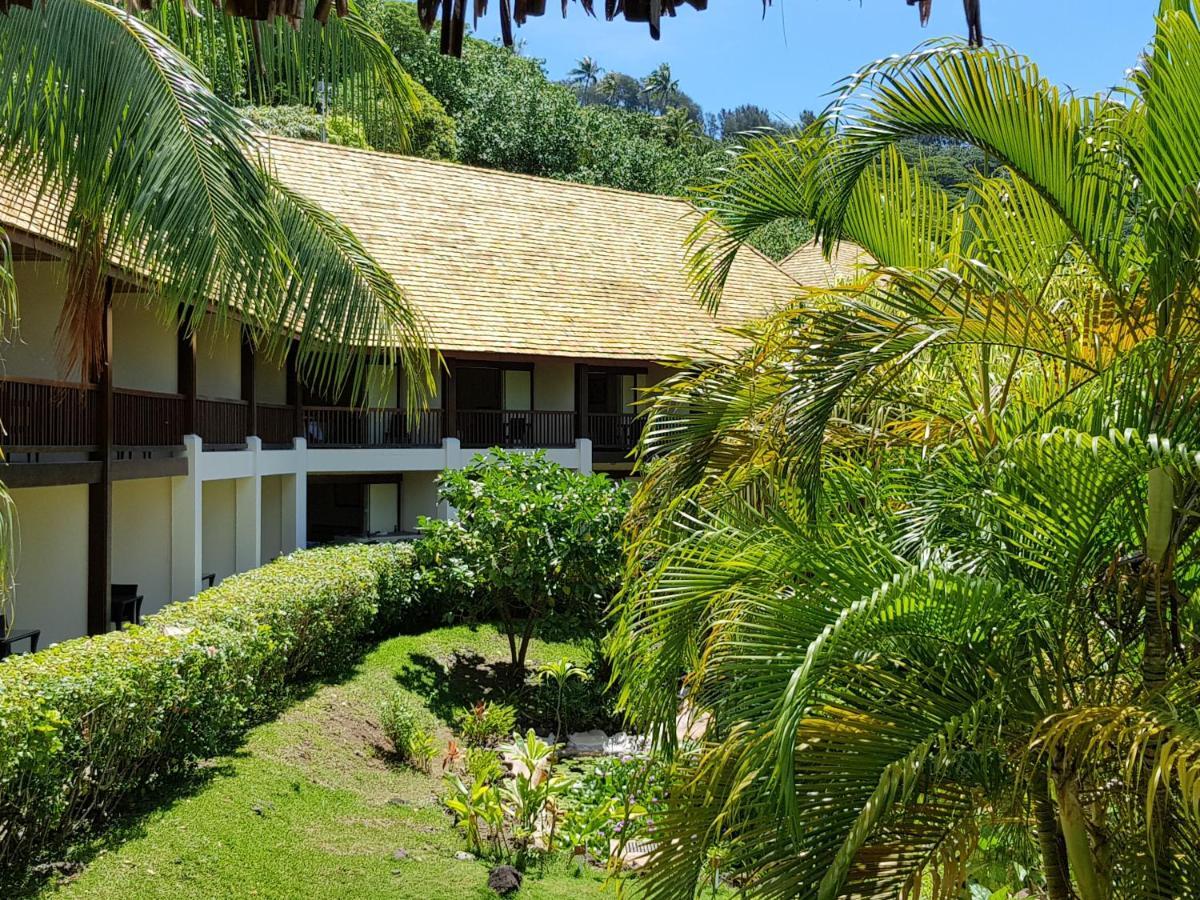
89,722
542,542
927,554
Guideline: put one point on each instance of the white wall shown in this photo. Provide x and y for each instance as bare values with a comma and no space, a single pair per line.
554,385
141,539
419,498
219,528
381,508
219,360
272,517
145,351
30,353
51,570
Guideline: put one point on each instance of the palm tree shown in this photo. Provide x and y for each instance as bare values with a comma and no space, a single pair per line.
924,549
678,128
586,73
135,160
660,87
166,178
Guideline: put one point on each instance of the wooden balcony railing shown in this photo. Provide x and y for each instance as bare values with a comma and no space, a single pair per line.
341,426
47,415
147,418
614,431
276,424
39,415
516,428
221,423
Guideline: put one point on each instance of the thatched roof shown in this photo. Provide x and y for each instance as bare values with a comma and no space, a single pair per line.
500,263
504,263
807,264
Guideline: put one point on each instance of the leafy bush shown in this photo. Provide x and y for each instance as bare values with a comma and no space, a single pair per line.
89,722
307,124
584,703
628,793
541,542
405,724
510,813
482,765
486,724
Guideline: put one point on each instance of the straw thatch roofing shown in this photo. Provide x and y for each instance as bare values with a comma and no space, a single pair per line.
499,263
808,265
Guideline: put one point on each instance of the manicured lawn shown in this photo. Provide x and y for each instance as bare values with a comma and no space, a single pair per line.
310,806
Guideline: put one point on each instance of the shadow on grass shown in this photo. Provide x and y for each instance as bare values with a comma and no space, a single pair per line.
447,688
129,823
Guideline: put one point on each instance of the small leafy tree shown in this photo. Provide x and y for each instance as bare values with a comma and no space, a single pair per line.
543,541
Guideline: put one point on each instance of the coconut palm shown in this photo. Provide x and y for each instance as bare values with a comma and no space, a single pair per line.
137,162
659,87
134,161
586,73
678,128
924,549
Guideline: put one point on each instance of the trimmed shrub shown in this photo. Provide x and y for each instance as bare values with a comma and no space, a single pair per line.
89,722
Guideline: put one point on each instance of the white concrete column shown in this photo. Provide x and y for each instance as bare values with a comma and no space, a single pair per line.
187,524
247,521
455,459
583,447
295,500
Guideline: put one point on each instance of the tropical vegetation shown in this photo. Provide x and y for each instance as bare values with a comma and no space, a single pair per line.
924,553
542,543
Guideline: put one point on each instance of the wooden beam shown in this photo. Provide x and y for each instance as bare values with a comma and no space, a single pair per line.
48,474
581,400
450,399
150,467
249,388
186,379
99,576
295,391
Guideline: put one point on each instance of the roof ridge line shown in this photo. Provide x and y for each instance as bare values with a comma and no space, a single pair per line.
450,164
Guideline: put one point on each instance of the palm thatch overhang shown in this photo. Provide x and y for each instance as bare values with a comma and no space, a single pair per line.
255,10
452,14
503,264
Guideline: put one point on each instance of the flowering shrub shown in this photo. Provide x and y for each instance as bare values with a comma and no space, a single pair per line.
89,722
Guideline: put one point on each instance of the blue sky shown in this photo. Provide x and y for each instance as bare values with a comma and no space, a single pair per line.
788,61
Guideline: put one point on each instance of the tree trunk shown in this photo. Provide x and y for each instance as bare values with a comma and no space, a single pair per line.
1079,847
1051,841
526,637
1160,521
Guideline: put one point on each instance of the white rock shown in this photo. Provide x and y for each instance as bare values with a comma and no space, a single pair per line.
587,743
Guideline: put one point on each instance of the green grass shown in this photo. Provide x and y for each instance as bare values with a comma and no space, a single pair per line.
310,805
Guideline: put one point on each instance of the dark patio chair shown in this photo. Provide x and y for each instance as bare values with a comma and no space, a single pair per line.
126,605
7,638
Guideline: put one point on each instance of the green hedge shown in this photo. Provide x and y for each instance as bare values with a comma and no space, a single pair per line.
87,723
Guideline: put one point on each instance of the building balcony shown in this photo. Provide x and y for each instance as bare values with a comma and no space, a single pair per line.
42,416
